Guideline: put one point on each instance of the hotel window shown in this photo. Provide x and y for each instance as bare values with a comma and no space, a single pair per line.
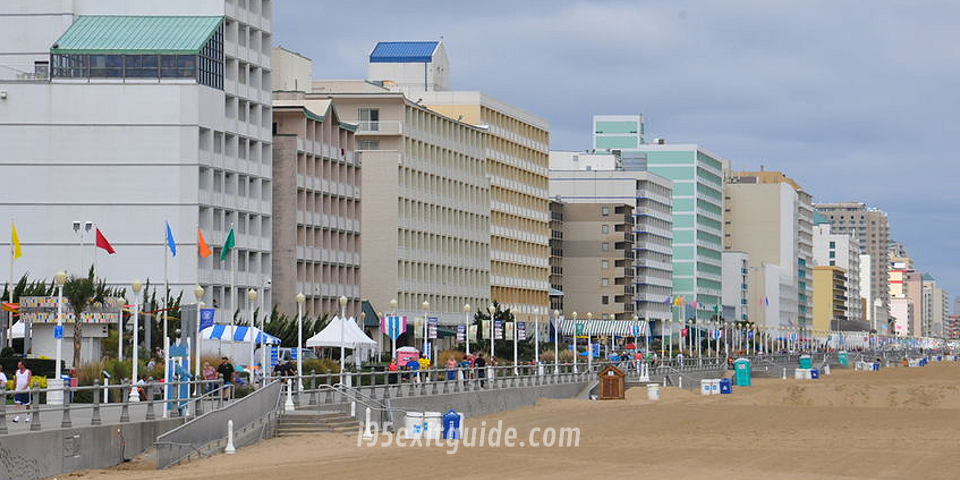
604,282
604,228
605,246
368,144
369,119
604,264
605,211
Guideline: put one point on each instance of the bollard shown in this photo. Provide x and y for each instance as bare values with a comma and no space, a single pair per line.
198,409
367,433
34,412
784,373
230,450
288,406
125,410
95,417
313,398
65,422
680,381
353,409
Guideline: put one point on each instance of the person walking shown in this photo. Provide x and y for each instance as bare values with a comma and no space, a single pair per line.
226,371
481,365
21,395
209,373
3,379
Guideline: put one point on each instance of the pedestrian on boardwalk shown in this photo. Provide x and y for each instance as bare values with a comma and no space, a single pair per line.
226,371
481,364
393,368
21,394
3,379
451,369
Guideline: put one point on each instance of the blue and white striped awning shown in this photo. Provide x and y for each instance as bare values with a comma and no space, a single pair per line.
238,333
617,328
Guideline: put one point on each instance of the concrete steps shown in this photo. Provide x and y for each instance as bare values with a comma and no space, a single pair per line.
306,422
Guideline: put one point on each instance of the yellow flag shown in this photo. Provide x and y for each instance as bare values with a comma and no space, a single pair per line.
15,240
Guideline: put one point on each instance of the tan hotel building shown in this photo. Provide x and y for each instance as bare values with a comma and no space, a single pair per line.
516,150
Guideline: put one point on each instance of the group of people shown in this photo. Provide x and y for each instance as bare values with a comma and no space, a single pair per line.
470,366
22,377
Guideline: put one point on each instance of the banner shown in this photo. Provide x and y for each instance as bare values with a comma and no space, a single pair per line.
521,330
472,333
498,329
206,317
716,334
684,332
639,329
580,331
394,326
418,328
508,331
432,327
487,329
461,333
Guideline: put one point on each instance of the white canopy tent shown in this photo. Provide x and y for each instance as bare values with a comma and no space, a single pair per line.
344,332
16,331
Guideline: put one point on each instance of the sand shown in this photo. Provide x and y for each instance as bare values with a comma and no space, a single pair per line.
897,423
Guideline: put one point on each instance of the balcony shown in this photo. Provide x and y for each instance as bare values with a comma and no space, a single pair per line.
380,128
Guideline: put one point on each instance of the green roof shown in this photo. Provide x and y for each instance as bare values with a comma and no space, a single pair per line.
820,219
137,34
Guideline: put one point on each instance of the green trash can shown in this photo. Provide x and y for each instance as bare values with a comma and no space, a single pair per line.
741,372
805,361
842,359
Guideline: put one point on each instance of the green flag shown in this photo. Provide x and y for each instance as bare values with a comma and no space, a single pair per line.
227,246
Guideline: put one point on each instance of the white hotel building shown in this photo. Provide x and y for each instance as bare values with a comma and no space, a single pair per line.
129,114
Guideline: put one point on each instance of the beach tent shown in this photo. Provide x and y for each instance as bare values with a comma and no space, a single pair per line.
16,331
342,332
238,334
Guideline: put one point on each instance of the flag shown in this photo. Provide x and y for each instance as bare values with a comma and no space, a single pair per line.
170,242
15,241
678,301
227,246
202,248
716,308
668,300
103,243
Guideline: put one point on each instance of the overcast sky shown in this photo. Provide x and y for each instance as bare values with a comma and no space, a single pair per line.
856,100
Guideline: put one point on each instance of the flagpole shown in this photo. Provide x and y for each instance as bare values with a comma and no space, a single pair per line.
233,296
95,271
166,338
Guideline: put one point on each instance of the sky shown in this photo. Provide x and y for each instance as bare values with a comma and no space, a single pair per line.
856,100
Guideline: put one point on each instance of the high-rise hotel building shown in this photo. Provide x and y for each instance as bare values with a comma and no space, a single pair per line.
516,151
129,115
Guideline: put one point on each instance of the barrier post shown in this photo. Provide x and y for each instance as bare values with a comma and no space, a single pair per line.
230,449
288,405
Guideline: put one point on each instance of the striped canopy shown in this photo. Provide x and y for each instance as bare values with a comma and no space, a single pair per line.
238,333
617,328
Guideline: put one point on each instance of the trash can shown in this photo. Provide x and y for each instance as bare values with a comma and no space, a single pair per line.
413,424
715,386
705,387
814,373
826,369
653,391
805,361
452,421
432,425
842,359
726,386
742,372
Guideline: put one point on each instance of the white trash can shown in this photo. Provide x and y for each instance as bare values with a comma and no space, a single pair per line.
653,391
826,369
705,388
432,425
798,374
715,386
413,424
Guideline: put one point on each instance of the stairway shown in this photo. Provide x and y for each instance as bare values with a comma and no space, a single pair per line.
306,422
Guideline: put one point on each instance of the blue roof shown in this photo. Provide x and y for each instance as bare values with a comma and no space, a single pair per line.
403,52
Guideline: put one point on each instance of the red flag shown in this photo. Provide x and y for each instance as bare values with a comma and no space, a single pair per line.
103,243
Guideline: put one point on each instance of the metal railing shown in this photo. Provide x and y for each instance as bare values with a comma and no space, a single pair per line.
74,402
206,433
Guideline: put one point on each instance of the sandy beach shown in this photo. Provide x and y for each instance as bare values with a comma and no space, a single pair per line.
896,423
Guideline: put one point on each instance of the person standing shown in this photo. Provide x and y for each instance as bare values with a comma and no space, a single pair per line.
3,379
21,396
393,368
451,369
226,371
481,365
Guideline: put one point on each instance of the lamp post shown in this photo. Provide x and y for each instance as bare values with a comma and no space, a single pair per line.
252,297
136,286
426,306
393,339
466,326
491,309
198,293
60,278
556,342
589,343
300,299
120,303
343,321
574,315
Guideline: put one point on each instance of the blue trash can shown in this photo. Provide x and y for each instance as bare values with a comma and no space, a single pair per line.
814,374
451,425
726,386
876,366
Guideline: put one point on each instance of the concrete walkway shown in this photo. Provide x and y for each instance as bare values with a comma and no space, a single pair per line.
81,415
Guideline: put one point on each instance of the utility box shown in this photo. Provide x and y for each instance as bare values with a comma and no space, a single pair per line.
612,383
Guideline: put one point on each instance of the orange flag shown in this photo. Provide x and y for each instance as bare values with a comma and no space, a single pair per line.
202,246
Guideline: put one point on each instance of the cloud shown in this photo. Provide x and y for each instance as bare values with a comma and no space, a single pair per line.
856,100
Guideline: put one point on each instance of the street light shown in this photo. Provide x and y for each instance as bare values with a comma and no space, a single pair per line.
393,334
466,326
120,302
574,315
252,297
343,322
198,292
426,306
493,338
60,278
301,298
556,341
136,286
589,343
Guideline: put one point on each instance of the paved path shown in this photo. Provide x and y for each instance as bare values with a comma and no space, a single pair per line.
81,414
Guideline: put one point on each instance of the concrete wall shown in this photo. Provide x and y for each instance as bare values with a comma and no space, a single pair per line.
31,455
485,402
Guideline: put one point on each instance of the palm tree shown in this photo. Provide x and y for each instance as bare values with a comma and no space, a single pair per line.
81,292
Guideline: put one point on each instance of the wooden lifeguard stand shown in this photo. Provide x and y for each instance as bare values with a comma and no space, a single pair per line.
612,383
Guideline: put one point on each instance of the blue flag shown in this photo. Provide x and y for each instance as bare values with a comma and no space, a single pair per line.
170,242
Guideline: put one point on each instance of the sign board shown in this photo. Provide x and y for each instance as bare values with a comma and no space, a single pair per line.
58,332
274,356
206,317
521,330
432,327
178,350
461,333
580,329
44,310
498,329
